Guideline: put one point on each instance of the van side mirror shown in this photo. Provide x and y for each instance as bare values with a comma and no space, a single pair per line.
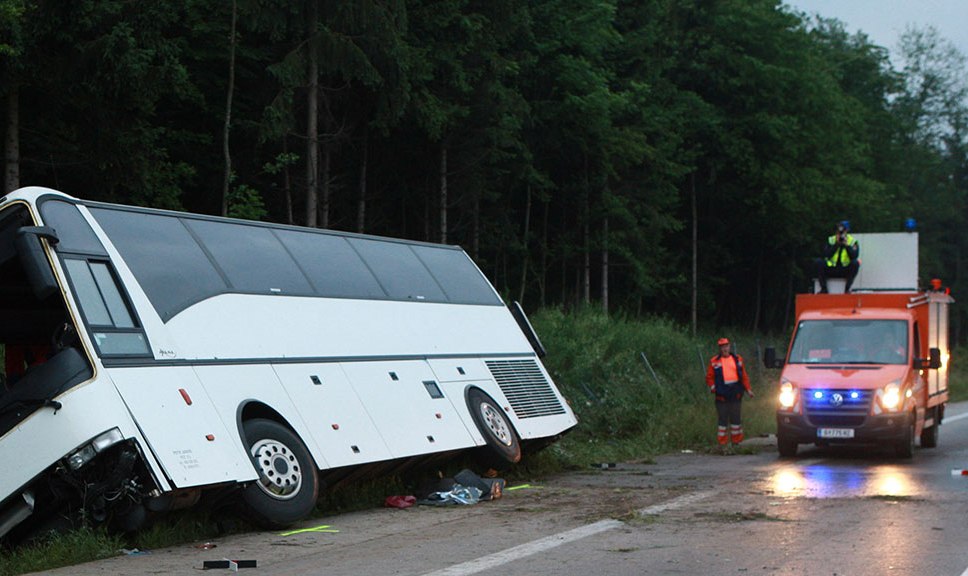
932,362
32,257
769,358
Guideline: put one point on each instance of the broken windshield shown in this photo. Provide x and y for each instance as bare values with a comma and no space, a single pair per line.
850,342
39,352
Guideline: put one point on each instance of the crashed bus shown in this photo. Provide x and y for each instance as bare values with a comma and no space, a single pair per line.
150,356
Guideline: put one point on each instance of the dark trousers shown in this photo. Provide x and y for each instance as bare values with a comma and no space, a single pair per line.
849,272
729,413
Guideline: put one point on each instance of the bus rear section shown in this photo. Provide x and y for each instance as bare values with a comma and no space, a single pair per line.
209,353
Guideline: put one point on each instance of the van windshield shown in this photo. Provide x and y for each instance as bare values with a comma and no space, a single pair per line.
850,342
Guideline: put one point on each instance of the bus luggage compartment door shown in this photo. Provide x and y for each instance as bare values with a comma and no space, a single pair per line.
336,418
181,425
409,407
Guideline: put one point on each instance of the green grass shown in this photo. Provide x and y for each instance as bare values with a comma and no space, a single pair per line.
58,550
638,387
625,414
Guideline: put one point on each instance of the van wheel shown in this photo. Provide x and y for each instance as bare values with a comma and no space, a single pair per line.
929,436
786,447
503,447
288,485
905,447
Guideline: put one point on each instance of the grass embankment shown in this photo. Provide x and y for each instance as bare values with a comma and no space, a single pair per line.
602,365
638,386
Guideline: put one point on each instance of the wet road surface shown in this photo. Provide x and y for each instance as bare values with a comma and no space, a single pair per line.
840,512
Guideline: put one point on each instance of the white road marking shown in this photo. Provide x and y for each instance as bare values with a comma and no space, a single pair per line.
555,540
954,419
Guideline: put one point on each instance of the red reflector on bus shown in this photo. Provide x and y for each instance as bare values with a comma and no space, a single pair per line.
210,437
185,396
335,426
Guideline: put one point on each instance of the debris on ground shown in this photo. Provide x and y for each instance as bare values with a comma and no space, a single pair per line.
399,501
464,488
225,563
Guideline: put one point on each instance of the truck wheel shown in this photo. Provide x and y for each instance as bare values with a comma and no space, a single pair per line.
503,447
929,437
905,446
288,485
786,447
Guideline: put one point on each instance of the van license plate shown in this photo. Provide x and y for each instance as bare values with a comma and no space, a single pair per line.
835,432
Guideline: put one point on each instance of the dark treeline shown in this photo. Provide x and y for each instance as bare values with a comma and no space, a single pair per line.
583,151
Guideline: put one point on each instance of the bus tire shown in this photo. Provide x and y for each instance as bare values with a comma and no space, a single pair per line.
503,446
905,446
288,485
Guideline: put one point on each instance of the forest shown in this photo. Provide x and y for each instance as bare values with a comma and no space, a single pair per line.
675,158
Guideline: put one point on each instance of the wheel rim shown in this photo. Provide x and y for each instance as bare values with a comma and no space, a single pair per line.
496,424
280,475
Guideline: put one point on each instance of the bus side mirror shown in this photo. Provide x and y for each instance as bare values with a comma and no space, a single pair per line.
769,358
34,260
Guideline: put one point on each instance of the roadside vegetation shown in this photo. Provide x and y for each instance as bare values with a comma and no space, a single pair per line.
638,387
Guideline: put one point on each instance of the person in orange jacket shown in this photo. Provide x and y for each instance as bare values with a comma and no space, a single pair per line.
728,380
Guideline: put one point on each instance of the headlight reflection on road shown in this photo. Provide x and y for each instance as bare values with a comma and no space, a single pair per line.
819,481
788,482
892,483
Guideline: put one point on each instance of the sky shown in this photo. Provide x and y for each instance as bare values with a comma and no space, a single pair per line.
885,20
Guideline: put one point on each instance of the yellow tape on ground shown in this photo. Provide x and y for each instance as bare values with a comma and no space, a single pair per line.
520,487
323,528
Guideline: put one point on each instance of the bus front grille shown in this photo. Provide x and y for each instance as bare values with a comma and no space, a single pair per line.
525,387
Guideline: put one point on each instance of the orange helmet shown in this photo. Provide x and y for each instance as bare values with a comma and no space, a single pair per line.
723,341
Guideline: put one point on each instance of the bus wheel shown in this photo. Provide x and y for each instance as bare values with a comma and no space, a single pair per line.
288,485
905,446
503,447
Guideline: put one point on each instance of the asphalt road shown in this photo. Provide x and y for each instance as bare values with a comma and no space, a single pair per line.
827,512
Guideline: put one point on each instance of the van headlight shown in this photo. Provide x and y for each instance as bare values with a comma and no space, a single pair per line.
788,394
891,398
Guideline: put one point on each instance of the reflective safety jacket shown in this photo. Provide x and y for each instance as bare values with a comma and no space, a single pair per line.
714,379
837,255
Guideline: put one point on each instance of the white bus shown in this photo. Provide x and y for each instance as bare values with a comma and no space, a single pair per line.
152,355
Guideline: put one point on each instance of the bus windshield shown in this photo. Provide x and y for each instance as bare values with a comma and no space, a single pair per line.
850,342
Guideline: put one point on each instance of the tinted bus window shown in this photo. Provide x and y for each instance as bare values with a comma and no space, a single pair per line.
251,257
73,231
398,270
334,268
457,275
170,266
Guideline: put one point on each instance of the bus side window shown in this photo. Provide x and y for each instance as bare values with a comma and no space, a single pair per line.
105,308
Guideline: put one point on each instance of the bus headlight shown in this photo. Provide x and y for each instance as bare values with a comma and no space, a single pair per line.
788,394
86,453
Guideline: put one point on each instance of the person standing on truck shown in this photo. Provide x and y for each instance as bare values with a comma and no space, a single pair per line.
728,380
841,258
